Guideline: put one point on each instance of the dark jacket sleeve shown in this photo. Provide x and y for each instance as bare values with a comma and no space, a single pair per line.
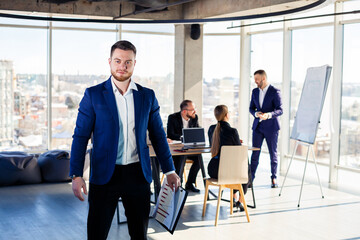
210,133
194,123
158,138
84,127
236,137
172,128
278,111
252,108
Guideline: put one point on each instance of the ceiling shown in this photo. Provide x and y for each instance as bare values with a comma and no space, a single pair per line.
157,10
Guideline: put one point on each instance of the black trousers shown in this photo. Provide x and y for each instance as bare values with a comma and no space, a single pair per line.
271,138
179,162
127,182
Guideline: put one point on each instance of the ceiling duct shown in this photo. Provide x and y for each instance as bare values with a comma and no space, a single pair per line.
149,4
141,3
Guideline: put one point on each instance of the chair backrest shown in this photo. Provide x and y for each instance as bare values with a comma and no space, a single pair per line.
233,166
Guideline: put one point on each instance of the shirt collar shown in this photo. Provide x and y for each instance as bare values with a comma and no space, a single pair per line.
132,86
185,119
265,88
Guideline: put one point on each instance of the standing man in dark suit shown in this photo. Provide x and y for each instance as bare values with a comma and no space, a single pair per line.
266,107
118,112
186,118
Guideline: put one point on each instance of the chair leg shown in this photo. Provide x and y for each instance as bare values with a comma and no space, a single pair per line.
231,201
218,205
244,203
162,178
185,178
205,198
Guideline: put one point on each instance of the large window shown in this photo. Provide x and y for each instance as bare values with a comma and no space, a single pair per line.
221,64
23,97
266,54
312,47
350,108
155,62
350,6
80,60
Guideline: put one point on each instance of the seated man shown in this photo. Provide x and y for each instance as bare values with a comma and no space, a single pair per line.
186,118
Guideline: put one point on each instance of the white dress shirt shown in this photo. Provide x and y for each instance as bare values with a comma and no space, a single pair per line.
262,93
126,112
185,123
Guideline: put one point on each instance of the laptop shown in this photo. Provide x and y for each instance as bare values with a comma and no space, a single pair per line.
194,138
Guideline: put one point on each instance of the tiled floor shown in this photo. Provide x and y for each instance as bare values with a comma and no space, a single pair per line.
49,211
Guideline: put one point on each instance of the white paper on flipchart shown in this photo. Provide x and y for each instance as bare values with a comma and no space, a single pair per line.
311,103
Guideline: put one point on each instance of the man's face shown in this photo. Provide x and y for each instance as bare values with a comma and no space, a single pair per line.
260,80
122,63
191,110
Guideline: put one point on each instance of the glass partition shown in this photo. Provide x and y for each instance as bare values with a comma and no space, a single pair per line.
80,60
350,102
266,54
23,95
311,47
155,66
221,71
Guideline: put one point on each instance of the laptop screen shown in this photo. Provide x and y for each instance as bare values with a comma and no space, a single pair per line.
193,136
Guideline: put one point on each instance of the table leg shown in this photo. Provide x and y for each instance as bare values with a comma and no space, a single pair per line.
156,177
181,167
202,167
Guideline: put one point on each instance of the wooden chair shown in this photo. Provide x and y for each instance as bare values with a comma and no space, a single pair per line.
233,171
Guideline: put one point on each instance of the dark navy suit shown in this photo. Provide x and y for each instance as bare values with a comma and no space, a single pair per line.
268,129
98,116
174,132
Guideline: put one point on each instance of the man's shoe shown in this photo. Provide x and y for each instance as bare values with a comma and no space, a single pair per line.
239,205
273,183
190,187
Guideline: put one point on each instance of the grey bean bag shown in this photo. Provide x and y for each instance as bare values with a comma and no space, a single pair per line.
55,166
18,168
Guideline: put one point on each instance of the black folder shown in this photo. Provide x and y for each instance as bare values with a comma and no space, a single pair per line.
169,206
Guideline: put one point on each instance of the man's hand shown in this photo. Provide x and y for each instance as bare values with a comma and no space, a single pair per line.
173,179
78,183
169,140
264,116
258,114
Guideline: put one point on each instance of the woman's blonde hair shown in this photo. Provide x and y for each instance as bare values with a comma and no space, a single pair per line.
220,113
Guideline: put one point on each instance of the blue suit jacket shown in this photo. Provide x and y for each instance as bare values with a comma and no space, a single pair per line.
272,104
98,115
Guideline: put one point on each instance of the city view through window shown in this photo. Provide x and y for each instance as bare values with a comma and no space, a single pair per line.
80,60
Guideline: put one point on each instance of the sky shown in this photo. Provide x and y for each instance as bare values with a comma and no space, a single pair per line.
84,52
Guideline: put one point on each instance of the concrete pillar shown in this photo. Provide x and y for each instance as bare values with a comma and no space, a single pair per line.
49,86
336,87
286,96
244,85
179,69
119,32
188,68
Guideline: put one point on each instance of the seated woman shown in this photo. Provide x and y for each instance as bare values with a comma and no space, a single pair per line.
222,134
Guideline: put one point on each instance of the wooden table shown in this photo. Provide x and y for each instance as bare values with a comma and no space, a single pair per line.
173,148
184,154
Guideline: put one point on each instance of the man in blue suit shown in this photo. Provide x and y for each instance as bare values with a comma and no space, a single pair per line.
117,113
266,107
